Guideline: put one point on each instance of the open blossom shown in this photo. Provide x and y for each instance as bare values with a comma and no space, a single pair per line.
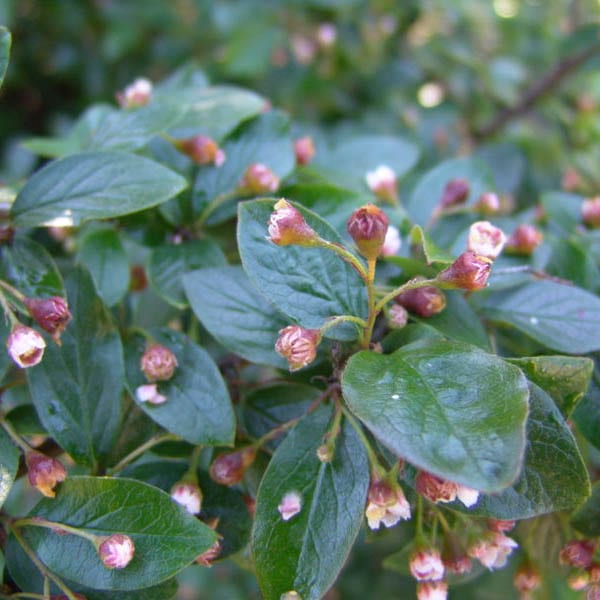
259,179
202,149
485,239
468,272
524,240
432,590
25,346
51,314
149,393
392,242
493,550
426,565
116,551
287,226
136,94
424,301
158,363
383,183
386,504
304,149
44,472
188,495
298,345
368,227
290,505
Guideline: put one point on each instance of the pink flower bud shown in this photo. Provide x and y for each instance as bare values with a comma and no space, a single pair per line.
429,590
590,212
500,526
298,345
304,149
456,192
287,226
527,579
202,150
25,346
158,363
493,550
570,180
207,558
386,504
116,551
424,302
383,183
488,204
51,314
398,316
392,242
229,469
426,565
578,553
368,227
326,35
468,272
434,488
188,495
44,472
485,239
524,240
290,505
259,179
303,49
149,393
136,94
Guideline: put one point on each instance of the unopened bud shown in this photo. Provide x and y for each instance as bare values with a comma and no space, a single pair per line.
298,345
456,192
290,505
326,35
485,239
25,346
434,488
426,565
259,179
116,551
202,150
188,495
590,212
44,472
500,526
207,558
468,272
397,316
287,226
387,504
578,553
149,393
392,242
432,590
524,240
488,204
51,314
527,579
383,183
136,94
368,227
324,453
229,469
158,363
424,302
304,149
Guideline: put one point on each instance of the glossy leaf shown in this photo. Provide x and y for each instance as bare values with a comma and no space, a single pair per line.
94,185
9,462
169,263
561,317
5,42
198,407
308,284
445,407
76,389
103,254
235,314
306,552
166,537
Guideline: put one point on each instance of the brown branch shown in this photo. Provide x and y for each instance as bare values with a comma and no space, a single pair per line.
539,88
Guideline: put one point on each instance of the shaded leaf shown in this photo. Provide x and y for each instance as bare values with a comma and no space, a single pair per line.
9,462
587,518
5,42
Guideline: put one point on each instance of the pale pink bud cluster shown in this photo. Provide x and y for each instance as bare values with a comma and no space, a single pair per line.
386,504
202,149
436,489
290,505
485,239
432,590
304,149
44,472
524,240
158,363
368,227
25,346
229,469
590,212
298,345
116,551
188,495
424,301
392,242
51,314
149,393
426,565
493,550
259,179
136,94
383,183
287,226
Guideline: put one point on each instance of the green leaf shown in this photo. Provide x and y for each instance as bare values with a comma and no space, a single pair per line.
166,537
235,314
564,378
24,419
94,185
563,210
587,518
198,407
76,389
561,317
5,42
169,263
587,413
102,253
9,462
446,407
306,552
307,284
433,254
30,268
554,476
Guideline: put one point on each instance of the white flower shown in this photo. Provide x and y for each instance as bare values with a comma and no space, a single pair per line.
136,94
437,590
149,393
290,505
392,242
427,565
493,551
386,505
468,496
485,239
382,182
188,495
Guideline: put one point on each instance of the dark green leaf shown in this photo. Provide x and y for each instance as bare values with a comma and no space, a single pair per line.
587,518
561,317
198,407
9,461
77,387
562,209
94,185
507,164
166,537
573,261
5,41
307,284
169,263
102,253
554,476
306,552
445,407
235,314
587,413
564,378
24,420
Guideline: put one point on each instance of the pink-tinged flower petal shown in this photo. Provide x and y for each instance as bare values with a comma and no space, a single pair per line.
149,393
25,346
188,495
116,551
290,505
